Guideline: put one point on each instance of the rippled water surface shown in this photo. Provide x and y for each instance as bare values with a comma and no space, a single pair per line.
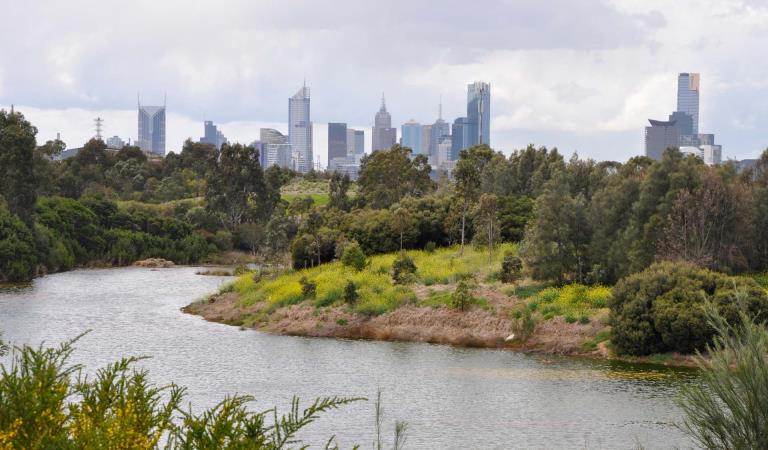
452,398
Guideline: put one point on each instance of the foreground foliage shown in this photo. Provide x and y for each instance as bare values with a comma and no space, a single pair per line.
47,403
728,407
661,309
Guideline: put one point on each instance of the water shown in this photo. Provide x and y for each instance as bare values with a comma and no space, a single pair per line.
452,398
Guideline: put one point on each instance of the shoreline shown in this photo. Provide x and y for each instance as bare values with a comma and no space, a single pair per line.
475,328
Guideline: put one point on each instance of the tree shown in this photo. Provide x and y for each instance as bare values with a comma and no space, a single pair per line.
486,217
236,187
338,188
401,221
468,176
18,184
350,293
17,249
403,269
251,234
462,296
354,257
387,176
511,268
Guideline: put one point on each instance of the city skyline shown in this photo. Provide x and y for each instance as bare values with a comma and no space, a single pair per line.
560,82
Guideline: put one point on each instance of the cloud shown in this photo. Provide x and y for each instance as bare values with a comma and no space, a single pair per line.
560,70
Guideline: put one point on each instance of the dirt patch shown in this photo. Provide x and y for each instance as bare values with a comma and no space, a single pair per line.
154,263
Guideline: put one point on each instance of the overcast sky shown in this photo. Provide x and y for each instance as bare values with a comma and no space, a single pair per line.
579,75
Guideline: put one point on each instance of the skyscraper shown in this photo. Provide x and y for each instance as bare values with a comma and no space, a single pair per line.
337,140
300,130
660,136
479,113
277,150
152,129
459,137
410,136
688,97
426,136
355,142
440,129
212,135
384,136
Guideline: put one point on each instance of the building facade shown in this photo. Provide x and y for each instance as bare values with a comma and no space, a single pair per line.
115,143
300,130
355,142
688,98
276,149
439,130
383,135
212,135
410,136
660,136
151,133
459,137
337,140
479,113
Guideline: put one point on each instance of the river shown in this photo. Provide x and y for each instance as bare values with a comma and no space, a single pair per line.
452,398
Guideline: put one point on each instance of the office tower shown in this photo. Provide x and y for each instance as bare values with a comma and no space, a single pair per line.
359,142
300,130
212,135
688,97
459,137
115,143
660,136
276,148
712,154
337,140
426,136
350,141
152,129
383,135
479,113
410,136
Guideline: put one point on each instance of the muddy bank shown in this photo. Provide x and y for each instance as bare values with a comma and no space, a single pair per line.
477,327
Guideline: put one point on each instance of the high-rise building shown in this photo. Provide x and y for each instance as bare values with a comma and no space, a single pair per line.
712,154
152,129
383,135
300,130
115,143
688,98
660,136
359,142
479,113
276,148
212,135
459,137
337,140
426,137
410,136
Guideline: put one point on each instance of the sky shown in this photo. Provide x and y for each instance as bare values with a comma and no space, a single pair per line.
583,76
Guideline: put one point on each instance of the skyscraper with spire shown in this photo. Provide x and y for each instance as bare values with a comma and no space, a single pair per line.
439,131
383,135
479,113
300,130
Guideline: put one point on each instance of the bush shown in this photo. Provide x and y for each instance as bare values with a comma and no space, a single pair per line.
403,269
354,257
430,247
523,324
222,240
350,293
660,309
308,288
18,257
511,268
462,296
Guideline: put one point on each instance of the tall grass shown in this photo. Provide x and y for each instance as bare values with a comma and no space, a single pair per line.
377,293
571,301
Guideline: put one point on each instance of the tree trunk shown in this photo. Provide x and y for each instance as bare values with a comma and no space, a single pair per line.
463,224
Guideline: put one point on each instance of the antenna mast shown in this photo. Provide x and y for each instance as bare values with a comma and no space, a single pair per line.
99,122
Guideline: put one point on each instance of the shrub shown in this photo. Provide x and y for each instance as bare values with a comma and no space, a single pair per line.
660,309
308,288
430,247
403,269
569,318
462,296
17,249
354,257
511,268
524,324
350,293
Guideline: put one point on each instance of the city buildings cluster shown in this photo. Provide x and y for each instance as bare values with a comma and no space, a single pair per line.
681,129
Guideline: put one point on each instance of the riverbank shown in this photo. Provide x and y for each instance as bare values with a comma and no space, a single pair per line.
529,318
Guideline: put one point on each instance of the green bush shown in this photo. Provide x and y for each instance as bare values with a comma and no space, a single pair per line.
511,268
430,247
660,309
523,324
403,269
18,258
308,288
350,293
462,296
354,257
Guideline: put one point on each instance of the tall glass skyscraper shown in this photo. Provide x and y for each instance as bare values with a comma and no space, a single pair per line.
688,97
152,129
300,130
410,136
337,140
479,113
459,137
